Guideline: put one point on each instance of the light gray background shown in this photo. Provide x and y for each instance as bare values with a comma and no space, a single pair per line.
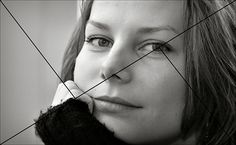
27,83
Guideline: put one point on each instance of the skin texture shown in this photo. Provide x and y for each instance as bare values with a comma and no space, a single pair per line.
151,83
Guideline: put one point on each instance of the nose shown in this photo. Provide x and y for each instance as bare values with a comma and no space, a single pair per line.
114,65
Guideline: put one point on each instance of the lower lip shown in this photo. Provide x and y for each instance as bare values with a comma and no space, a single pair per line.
108,107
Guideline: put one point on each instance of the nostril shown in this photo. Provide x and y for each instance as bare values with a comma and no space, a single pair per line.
123,76
116,76
109,77
103,76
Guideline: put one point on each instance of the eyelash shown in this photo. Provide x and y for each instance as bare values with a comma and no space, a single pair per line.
91,38
165,47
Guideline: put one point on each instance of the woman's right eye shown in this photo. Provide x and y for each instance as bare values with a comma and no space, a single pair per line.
100,42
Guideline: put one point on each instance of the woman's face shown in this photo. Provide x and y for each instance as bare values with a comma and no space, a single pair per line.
117,34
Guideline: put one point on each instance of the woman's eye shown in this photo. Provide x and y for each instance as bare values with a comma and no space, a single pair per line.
154,48
99,42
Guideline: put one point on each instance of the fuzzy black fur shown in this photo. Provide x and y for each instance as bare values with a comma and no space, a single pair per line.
71,123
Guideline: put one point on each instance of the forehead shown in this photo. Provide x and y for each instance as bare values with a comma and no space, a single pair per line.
139,12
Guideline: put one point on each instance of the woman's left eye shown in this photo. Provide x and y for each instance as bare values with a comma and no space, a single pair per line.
154,48
99,42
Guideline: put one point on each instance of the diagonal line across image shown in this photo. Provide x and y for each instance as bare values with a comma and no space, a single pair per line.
75,97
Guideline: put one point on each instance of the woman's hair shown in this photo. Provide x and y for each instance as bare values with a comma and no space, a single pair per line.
211,72
210,69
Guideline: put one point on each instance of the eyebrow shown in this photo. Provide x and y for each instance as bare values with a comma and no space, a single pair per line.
146,30
143,30
99,25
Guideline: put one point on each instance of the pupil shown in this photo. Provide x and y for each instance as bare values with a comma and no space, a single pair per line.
157,47
103,42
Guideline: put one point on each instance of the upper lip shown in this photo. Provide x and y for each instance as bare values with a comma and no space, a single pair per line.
117,100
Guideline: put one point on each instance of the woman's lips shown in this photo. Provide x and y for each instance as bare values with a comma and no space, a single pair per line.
113,105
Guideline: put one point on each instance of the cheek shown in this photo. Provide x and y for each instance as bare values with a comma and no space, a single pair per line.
164,100
86,69
166,90
161,84
166,104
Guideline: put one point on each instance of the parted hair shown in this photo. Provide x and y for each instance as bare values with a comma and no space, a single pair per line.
210,68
